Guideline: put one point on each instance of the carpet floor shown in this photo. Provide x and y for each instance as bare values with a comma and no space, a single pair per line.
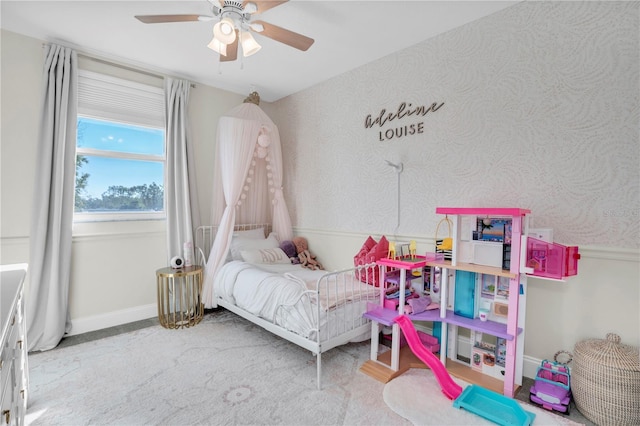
226,371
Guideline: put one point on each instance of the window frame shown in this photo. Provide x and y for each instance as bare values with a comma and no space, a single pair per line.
111,112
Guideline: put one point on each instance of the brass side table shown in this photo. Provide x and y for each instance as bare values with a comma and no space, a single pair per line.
179,296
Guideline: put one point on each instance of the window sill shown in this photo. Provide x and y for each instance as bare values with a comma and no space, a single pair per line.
114,228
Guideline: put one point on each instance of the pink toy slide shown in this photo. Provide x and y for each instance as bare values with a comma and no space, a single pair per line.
449,388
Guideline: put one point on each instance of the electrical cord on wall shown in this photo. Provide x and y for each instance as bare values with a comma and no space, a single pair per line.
399,168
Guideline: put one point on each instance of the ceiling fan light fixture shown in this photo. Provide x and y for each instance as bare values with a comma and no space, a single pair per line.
257,27
249,44
233,20
217,46
224,31
250,7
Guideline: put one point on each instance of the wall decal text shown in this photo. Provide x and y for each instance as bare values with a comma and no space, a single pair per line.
404,110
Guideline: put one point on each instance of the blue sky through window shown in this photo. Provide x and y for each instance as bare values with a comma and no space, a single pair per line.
119,137
110,136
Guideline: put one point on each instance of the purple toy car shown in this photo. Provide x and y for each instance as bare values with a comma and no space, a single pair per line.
552,387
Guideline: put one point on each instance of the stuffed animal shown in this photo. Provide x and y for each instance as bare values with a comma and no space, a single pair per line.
290,250
307,259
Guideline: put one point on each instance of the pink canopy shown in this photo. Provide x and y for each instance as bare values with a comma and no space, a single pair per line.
247,183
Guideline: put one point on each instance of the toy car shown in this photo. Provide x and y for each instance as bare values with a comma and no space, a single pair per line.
552,387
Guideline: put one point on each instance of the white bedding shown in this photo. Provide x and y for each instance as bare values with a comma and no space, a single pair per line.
286,295
258,290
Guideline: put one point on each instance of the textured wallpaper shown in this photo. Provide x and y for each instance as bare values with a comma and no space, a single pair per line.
535,107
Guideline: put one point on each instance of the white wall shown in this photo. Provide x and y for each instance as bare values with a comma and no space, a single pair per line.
21,71
113,264
206,105
540,112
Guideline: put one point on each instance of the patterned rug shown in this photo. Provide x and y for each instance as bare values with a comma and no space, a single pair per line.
224,370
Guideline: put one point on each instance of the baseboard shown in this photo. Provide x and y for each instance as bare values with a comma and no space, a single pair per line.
530,366
112,319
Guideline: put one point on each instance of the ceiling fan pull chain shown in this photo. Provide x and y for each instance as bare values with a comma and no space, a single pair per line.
241,47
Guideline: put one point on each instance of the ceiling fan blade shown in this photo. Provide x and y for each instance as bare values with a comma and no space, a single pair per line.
160,19
263,5
232,51
285,36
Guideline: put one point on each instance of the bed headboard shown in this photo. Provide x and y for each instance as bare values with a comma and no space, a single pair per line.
205,235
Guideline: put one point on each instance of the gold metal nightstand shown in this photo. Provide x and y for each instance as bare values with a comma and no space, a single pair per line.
179,301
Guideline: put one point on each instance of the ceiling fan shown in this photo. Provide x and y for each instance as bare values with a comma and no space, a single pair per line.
235,24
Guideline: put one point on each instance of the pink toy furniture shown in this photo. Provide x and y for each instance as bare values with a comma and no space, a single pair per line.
551,260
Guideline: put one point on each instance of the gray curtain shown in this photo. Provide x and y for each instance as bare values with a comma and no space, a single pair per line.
47,298
180,188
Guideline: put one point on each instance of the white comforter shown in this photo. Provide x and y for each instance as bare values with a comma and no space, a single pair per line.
263,289
259,290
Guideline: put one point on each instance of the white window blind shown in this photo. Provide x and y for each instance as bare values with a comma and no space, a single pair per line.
116,99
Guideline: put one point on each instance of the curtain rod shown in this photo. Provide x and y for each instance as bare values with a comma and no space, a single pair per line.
115,63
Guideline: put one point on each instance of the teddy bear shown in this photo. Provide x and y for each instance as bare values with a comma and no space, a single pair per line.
307,259
290,250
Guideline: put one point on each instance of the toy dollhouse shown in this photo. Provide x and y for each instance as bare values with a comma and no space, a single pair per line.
482,288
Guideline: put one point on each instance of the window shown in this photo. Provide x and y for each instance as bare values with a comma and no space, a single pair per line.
120,155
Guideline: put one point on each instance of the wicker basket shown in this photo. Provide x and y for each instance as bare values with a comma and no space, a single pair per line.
605,381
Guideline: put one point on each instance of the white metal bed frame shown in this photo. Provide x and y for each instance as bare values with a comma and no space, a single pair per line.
337,332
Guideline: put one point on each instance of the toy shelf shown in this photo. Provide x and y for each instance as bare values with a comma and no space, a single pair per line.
406,263
386,316
393,277
397,271
490,327
472,258
472,267
482,211
381,315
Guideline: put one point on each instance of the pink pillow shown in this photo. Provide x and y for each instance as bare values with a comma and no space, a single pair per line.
358,259
377,252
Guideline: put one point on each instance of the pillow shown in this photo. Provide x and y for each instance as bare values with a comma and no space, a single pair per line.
358,259
269,255
238,244
255,234
375,253
249,234
378,251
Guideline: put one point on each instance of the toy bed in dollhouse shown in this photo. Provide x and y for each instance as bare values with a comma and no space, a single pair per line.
314,309
245,270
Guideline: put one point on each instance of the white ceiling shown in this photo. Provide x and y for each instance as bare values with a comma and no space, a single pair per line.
347,34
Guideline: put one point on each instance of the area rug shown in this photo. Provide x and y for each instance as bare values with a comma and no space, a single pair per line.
223,371
226,371
416,396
